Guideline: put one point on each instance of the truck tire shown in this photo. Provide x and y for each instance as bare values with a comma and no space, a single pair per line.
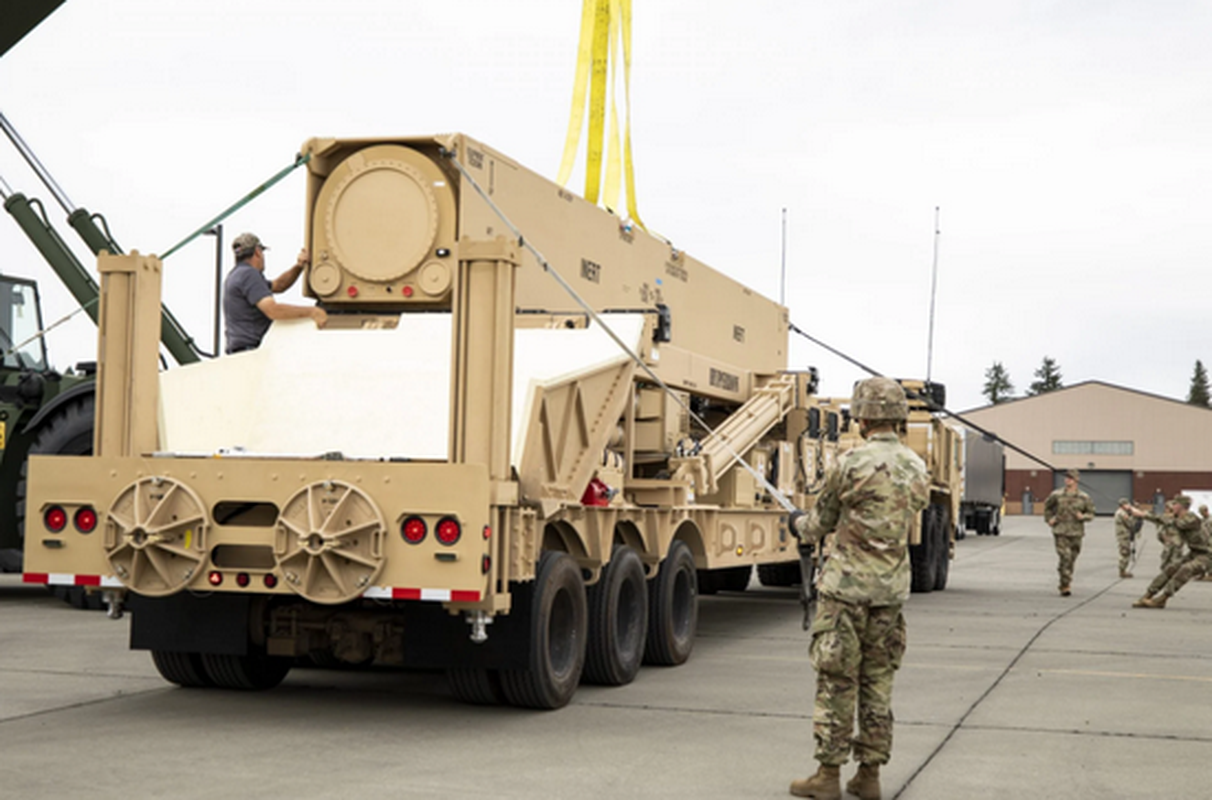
618,621
923,558
251,672
183,669
68,432
476,685
786,574
733,579
673,611
943,568
558,622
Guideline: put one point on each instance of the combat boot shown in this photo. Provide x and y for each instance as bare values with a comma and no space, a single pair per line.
865,785
1154,602
1065,592
1141,603
1123,573
826,784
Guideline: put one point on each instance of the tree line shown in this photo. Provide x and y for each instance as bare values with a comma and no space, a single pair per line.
999,388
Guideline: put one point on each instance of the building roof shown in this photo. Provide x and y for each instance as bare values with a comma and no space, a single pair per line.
1149,432
1036,397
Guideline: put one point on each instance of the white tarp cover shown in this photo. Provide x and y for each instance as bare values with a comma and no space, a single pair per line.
377,393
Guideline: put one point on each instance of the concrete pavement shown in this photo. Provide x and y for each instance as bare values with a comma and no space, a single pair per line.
1007,691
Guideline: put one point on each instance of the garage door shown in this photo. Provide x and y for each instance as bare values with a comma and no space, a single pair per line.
1105,487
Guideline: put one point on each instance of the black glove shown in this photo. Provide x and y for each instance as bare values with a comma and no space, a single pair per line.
791,521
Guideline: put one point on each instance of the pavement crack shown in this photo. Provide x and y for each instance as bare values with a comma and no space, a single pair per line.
82,704
997,682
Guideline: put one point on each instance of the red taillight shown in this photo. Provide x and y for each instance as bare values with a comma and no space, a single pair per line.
270,581
55,519
352,291
406,291
485,564
86,520
448,530
413,530
215,578
487,531
242,579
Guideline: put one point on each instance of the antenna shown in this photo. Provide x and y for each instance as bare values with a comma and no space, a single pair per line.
933,286
783,269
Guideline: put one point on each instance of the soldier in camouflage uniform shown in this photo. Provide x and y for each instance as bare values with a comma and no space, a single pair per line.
870,500
1127,525
1206,527
1177,514
1067,511
1188,528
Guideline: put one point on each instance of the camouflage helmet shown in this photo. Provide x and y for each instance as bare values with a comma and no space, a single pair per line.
879,398
1182,500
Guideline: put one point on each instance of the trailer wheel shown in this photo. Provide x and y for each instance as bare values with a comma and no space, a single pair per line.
558,620
251,672
618,621
475,685
923,558
673,611
785,574
183,669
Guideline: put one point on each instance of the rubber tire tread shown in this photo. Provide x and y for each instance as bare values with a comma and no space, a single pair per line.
923,561
608,662
665,646
539,686
245,673
734,579
943,568
785,574
184,669
476,685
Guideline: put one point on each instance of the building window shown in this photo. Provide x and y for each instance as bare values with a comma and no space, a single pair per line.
1071,448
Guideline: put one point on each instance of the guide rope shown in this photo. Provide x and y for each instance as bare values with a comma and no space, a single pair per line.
300,160
989,435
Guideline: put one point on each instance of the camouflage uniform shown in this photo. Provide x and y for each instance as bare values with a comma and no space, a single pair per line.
1173,529
1195,564
871,498
1067,513
1127,525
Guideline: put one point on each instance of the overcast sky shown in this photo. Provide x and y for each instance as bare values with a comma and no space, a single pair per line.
1068,144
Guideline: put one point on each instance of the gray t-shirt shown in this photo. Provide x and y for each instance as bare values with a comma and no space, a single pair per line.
246,325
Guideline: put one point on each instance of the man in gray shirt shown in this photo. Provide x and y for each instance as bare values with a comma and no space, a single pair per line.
248,296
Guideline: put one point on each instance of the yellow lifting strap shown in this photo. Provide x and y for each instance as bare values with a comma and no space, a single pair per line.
605,24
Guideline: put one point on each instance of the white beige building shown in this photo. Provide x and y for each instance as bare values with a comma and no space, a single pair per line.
1126,443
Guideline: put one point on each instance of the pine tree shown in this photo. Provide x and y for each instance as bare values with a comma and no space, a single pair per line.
1048,378
1198,394
998,387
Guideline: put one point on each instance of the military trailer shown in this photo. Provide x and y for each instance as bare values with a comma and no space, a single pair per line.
464,469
